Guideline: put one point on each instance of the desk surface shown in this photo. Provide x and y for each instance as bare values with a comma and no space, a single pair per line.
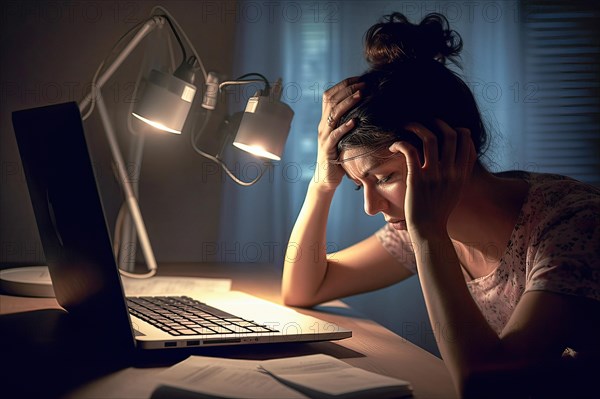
372,347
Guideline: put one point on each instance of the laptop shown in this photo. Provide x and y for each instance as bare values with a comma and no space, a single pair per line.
87,284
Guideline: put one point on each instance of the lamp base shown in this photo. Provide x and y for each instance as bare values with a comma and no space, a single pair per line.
33,281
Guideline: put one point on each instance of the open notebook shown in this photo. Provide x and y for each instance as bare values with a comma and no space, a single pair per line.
77,245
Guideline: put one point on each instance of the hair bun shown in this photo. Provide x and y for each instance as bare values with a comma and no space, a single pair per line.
394,39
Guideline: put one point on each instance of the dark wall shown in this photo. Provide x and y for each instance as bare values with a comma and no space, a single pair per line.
49,52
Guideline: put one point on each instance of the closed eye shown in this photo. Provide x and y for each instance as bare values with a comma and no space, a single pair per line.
358,187
385,179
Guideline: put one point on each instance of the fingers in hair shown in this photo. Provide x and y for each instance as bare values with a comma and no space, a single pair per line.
430,143
450,138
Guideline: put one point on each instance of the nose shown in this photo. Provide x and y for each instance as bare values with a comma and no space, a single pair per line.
374,201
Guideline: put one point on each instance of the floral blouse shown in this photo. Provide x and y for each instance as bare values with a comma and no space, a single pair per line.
555,246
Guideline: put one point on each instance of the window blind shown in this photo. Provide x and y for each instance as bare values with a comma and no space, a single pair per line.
561,96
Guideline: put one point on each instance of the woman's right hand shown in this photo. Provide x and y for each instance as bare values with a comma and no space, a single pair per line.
337,100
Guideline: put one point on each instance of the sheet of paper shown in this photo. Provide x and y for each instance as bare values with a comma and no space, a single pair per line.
225,378
173,285
327,374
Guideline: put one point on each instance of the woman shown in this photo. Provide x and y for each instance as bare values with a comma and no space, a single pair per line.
508,262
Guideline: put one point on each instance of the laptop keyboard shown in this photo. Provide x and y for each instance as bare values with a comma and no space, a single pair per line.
181,315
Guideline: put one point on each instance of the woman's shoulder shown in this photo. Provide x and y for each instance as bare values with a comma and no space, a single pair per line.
555,191
560,235
540,178
560,212
557,207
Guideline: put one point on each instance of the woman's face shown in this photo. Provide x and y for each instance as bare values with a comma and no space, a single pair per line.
382,177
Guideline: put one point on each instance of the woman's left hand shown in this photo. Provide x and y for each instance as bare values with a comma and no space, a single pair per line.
434,188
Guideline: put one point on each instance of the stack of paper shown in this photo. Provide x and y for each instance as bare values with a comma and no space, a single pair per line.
313,376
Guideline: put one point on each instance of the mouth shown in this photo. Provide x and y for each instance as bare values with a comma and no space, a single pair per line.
397,224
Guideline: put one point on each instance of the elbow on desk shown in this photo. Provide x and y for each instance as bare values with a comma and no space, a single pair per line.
296,301
295,297
292,302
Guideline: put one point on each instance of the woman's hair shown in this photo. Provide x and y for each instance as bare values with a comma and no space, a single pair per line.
408,81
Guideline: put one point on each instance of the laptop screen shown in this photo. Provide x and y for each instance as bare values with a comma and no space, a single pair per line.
70,217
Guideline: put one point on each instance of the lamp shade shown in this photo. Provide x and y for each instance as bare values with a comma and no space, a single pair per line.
166,102
264,128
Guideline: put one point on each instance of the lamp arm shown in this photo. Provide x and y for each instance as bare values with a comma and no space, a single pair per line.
95,96
148,27
130,197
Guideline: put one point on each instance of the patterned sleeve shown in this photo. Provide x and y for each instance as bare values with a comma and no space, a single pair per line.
398,244
564,254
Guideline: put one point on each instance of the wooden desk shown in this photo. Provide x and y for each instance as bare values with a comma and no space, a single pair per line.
371,347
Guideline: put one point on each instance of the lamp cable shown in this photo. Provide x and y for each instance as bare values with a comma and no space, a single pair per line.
183,34
195,133
193,137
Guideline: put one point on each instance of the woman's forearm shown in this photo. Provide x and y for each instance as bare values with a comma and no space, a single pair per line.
306,258
464,337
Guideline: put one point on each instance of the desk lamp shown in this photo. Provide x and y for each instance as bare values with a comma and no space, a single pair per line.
165,103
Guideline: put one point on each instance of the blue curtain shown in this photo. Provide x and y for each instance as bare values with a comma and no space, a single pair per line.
312,45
